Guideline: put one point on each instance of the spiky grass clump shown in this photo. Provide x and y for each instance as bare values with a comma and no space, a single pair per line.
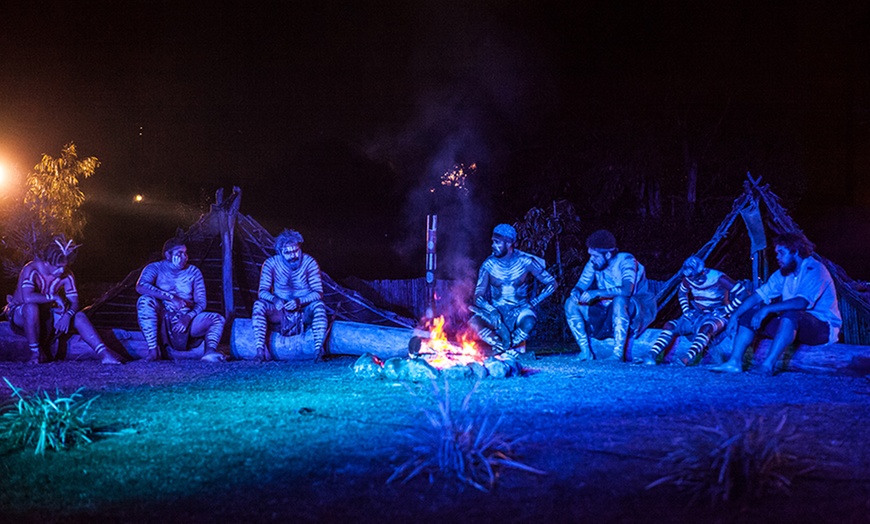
459,445
43,422
736,462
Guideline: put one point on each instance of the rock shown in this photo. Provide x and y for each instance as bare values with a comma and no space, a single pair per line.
457,372
394,368
418,370
496,368
368,366
479,370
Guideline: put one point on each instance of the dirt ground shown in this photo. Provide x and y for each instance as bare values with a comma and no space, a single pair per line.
306,442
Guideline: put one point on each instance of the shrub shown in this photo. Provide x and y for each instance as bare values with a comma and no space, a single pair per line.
43,422
458,444
735,462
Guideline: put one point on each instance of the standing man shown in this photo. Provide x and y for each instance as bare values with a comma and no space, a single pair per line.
806,312
45,304
612,297
172,306
707,298
290,294
503,302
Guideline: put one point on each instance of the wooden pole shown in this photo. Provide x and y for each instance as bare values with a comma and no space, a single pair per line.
431,263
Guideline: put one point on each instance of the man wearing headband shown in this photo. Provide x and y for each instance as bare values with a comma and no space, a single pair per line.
503,302
612,298
45,304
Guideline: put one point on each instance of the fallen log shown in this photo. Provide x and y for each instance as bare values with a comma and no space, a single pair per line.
344,338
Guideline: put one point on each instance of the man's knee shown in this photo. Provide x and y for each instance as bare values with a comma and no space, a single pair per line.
147,303
260,308
572,309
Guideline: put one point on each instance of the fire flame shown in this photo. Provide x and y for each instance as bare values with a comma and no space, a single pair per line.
442,353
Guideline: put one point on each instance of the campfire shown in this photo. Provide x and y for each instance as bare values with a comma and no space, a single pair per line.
441,353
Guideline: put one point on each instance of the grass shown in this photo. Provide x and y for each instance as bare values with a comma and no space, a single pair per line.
734,462
45,423
305,442
458,444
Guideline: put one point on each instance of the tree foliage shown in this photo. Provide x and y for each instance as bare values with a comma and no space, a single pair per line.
51,205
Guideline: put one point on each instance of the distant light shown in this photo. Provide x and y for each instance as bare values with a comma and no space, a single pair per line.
138,199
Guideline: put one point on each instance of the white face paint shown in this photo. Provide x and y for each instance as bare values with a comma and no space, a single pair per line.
292,255
57,270
177,257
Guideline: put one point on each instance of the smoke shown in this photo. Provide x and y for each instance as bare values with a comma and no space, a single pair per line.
477,97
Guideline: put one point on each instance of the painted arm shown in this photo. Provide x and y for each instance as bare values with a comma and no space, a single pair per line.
545,278
314,281
147,285
264,291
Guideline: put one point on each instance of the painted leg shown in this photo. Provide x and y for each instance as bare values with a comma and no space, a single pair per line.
148,312
210,325
661,344
319,325
696,350
259,324
621,323
577,324
27,318
92,338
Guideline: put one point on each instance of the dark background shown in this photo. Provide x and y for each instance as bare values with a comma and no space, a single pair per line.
339,120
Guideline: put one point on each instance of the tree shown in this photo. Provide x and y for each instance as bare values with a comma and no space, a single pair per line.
51,205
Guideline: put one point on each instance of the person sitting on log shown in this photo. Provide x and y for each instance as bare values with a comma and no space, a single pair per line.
171,309
707,299
504,314
290,296
45,304
797,303
612,298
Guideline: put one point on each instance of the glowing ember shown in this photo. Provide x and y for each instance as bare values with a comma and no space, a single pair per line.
457,176
442,353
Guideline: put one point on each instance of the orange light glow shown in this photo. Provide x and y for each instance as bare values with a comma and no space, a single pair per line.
442,353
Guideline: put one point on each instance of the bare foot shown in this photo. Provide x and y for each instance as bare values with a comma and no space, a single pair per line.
727,367
263,355
108,357
153,355
213,356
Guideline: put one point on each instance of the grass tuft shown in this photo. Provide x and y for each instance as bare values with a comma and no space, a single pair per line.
458,444
735,462
42,422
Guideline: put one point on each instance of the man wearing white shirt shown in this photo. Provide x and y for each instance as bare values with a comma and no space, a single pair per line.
807,312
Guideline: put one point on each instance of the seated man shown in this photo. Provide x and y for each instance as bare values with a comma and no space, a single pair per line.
172,306
807,311
503,306
707,298
291,295
612,297
45,304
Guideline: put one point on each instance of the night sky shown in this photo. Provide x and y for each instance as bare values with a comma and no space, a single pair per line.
337,118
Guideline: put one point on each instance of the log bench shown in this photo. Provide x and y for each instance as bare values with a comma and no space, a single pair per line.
351,338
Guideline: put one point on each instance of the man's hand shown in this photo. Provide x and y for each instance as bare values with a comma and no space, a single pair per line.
182,324
61,325
759,317
178,303
588,297
291,305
